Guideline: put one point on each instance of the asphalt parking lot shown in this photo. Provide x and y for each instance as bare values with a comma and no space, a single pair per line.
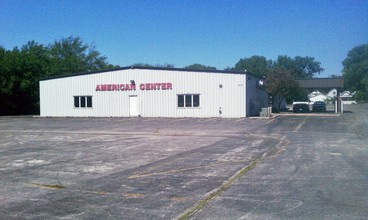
288,167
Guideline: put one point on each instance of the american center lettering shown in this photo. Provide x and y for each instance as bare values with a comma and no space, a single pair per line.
130,87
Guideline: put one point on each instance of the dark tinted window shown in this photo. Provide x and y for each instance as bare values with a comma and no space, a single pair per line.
195,100
180,100
76,101
188,101
83,101
89,101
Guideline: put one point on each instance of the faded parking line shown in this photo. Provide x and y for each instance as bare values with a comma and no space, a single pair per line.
270,121
300,125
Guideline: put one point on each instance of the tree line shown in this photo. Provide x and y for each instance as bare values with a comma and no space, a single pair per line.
281,74
355,72
22,68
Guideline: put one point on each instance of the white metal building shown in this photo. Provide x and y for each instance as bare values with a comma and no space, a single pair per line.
152,92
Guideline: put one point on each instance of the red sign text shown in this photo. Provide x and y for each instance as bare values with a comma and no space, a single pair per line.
130,87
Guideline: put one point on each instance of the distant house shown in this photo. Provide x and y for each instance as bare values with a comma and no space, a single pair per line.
332,93
347,97
317,96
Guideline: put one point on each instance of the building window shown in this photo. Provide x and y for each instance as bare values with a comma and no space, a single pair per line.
76,101
195,100
180,100
89,101
188,100
83,101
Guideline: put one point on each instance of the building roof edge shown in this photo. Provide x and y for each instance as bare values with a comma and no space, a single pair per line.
146,68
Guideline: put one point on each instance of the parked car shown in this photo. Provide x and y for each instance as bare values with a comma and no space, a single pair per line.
300,107
319,106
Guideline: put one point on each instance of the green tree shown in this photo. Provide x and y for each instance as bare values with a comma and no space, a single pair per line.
307,67
200,66
5,78
21,70
300,67
35,59
20,73
142,65
166,65
257,65
361,96
355,71
280,84
335,76
72,55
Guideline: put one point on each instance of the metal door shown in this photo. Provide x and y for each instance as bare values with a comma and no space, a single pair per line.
133,106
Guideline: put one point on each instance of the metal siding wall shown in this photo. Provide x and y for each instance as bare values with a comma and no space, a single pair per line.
56,96
232,95
256,98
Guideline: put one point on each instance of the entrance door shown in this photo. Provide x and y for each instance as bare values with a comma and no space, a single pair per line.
133,106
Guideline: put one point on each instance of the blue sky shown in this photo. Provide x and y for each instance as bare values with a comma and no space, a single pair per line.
183,32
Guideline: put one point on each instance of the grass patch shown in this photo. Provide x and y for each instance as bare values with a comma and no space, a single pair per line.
226,185
133,195
48,186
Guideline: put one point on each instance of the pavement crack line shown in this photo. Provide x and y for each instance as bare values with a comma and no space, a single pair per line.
208,197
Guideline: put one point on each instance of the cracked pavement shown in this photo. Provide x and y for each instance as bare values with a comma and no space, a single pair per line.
156,168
